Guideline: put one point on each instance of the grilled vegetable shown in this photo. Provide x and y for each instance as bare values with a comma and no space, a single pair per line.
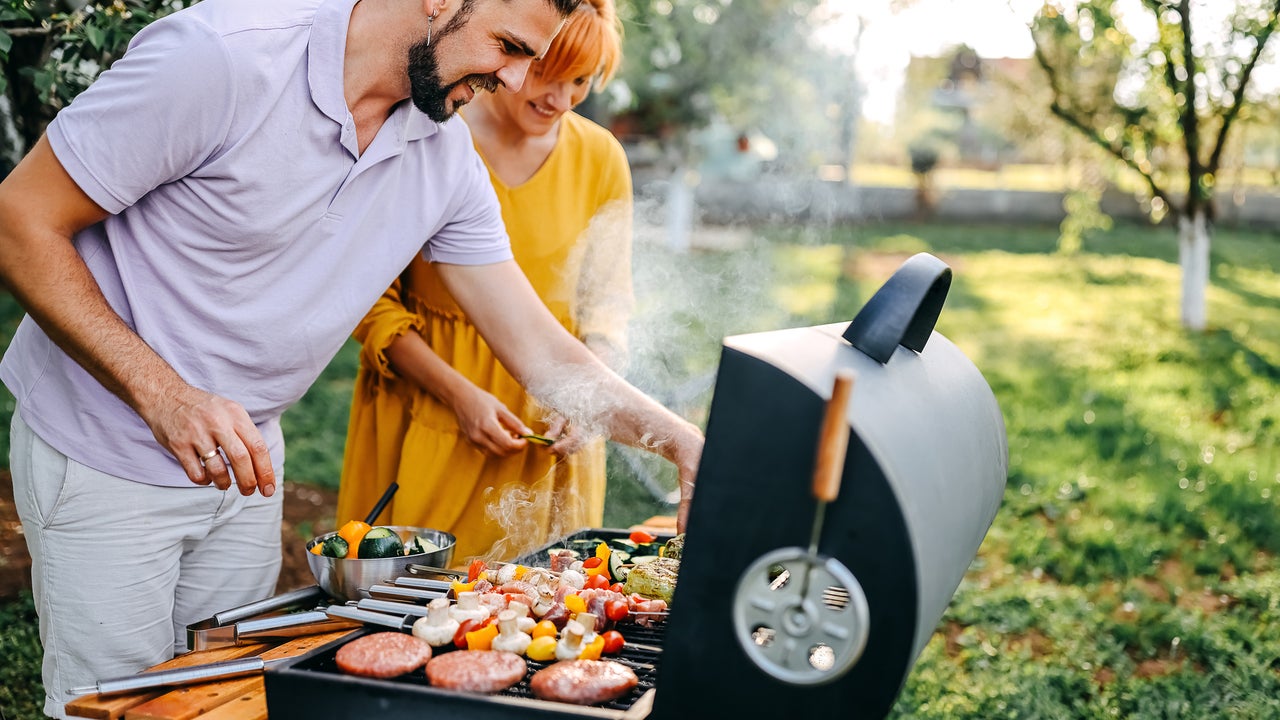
613,642
617,559
655,579
674,547
380,542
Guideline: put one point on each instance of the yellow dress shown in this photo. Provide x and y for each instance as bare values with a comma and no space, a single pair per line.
570,228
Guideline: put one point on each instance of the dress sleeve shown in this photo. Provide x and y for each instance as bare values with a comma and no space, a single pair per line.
156,115
605,298
387,320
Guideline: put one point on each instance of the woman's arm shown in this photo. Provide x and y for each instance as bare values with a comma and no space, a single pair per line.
563,374
392,345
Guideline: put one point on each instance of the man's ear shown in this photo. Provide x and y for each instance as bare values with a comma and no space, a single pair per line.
433,7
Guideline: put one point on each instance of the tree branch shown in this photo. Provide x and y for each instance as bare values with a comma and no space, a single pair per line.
1086,128
1237,96
26,31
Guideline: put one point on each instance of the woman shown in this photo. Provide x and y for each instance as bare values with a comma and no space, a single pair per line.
433,408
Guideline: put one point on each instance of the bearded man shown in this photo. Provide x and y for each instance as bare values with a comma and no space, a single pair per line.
193,239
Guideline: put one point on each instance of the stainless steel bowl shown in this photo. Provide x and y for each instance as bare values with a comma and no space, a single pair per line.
350,578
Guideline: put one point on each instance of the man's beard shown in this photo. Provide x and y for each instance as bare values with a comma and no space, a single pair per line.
429,93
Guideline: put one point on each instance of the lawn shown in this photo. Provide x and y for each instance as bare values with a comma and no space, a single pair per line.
1131,571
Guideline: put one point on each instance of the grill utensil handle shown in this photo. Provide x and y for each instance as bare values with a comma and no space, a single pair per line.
833,439
305,596
903,311
382,503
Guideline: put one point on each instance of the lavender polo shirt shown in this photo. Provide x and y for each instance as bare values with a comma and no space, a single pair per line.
248,236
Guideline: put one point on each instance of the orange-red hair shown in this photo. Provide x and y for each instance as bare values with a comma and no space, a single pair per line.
589,45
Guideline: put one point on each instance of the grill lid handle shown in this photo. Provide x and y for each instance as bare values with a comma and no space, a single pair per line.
903,311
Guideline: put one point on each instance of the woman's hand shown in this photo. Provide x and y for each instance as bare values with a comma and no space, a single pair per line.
488,424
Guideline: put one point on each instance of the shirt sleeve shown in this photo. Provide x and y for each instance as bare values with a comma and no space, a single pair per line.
154,116
605,298
474,233
387,320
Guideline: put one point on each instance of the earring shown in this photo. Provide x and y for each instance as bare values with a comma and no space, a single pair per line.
430,19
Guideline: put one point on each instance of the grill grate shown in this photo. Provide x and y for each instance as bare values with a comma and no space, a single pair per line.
314,683
643,661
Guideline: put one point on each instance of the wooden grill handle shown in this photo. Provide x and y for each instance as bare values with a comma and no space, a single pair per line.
833,440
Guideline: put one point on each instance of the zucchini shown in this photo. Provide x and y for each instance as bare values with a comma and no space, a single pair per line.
380,542
674,547
420,546
643,559
617,560
334,546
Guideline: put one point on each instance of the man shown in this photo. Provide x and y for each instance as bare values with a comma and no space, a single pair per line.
193,240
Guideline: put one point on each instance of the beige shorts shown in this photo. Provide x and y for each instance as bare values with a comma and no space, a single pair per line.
120,568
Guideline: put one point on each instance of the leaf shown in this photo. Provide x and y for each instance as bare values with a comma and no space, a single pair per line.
95,36
6,42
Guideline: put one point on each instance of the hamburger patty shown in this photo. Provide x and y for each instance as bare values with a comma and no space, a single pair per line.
383,655
482,671
583,682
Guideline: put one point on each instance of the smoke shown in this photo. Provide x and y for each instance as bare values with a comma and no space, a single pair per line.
530,515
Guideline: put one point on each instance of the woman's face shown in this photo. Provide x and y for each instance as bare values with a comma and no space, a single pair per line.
538,105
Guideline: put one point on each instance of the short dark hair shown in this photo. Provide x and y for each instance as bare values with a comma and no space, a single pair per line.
564,7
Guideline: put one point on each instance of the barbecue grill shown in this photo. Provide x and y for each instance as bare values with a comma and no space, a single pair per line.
759,627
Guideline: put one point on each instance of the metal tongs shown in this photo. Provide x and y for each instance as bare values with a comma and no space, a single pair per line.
241,626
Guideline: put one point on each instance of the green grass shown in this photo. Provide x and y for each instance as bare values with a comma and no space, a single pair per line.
1131,571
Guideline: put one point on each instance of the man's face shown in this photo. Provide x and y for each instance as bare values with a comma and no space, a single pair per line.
484,45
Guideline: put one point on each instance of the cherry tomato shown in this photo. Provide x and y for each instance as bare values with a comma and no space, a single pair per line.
597,582
466,626
616,610
544,628
619,588
613,642
542,649
641,537
477,567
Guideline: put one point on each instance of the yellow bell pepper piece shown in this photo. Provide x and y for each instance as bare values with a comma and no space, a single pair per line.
592,650
544,628
460,587
520,571
542,648
575,603
482,639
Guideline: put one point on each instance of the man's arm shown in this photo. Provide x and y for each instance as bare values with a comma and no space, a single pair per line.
563,374
41,209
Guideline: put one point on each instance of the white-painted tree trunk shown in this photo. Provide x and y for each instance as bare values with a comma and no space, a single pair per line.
1193,256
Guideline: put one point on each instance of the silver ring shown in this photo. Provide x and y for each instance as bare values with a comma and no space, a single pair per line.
209,455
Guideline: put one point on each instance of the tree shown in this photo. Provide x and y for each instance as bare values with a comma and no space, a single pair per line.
1163,107
749,62
51,50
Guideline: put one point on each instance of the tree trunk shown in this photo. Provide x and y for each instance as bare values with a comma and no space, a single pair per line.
1193,256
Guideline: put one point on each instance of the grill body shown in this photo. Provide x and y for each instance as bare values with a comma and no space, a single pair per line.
923,478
